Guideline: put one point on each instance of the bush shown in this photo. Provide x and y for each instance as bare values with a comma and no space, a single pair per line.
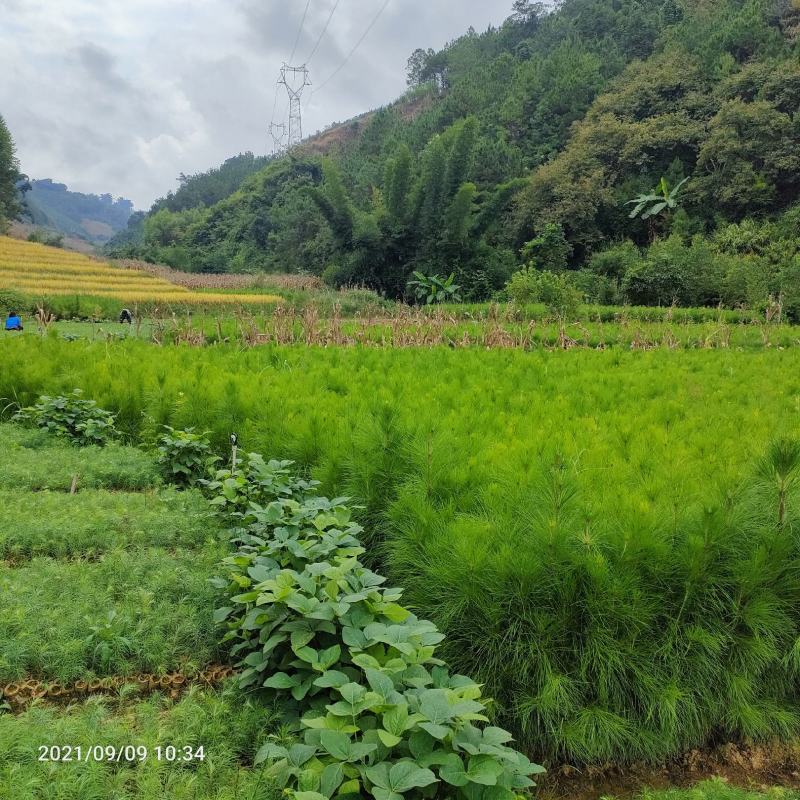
72,417
352,669
49,238
548,251
555,290
185,456
594,288
254,481
617,260
674,272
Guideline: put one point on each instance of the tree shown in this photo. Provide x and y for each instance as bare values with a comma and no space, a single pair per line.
9,176
417,66
528,12
398,185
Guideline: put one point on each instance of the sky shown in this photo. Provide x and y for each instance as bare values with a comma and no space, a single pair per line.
122,96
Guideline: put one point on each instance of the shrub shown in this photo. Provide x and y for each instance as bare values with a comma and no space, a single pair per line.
71,417
254,480
555,290
49,238
353,671
548,251
616,260
523,287
185,456
674,272
595,288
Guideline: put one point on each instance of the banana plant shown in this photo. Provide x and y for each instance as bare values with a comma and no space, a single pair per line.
662,198
435,289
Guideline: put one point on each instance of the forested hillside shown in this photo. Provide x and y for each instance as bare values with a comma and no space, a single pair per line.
522,147
95,218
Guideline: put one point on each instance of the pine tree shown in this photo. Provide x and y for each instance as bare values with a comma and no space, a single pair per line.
460,161
398,184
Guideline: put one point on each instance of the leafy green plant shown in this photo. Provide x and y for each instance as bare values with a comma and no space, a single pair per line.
71,417
185,456
254,480
107,641
435,289
356,674
661,199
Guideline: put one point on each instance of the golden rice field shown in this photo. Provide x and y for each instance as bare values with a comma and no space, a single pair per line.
41,271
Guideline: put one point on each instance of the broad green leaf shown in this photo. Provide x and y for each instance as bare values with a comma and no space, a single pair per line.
405,775
379,682
421,744
337,744
331,779
452,771
379,775
353,692
270,751
484,769
389,739
300,753
437,731
395,720
280,680
331,679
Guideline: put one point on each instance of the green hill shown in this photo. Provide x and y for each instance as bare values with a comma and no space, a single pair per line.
524,144
95,218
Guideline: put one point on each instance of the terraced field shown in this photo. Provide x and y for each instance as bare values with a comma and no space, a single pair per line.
39,271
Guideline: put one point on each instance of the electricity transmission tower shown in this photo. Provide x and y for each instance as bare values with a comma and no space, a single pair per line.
295,79
278,132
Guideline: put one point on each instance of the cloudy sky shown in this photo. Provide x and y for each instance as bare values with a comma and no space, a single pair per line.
121,96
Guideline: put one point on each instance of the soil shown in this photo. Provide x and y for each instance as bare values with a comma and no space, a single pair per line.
749,766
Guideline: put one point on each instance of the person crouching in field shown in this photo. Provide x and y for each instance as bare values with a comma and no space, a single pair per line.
13,323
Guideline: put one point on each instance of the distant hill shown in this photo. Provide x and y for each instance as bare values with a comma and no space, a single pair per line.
93,218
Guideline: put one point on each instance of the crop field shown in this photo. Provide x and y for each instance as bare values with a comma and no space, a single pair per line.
605,537
36,270
109,583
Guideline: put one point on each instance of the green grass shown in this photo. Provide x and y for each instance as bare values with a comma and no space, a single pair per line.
93,521
230,729
719,790
33,460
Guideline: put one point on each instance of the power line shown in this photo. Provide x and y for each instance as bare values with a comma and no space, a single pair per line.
324,31
299,32
357,45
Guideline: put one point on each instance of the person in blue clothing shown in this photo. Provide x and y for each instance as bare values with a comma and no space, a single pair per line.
13,323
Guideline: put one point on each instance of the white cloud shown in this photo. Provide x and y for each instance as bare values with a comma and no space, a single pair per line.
122,97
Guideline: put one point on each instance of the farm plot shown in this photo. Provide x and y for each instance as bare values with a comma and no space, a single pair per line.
38,271
591,530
